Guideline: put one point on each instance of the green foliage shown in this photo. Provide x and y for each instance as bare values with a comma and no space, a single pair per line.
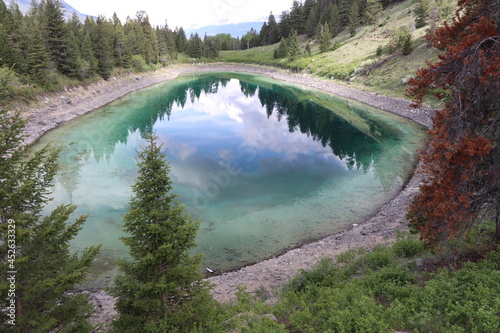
402,40
8,83
138,63
160,289
422,13
378,292
325,39
353,18
282,50
293,45
46,270
407,248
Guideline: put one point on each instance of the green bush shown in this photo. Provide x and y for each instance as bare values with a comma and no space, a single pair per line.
8,82
408,248
138,63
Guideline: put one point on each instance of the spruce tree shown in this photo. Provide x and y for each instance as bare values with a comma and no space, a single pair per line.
180,40
282,50
45,271
103,47
57,37
160,289
312,21
353,18
274,36
37,55
325,39
293,45
372,12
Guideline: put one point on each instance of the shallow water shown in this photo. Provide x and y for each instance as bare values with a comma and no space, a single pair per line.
265,166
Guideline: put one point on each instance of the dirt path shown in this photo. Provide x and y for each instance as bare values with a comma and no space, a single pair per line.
269,274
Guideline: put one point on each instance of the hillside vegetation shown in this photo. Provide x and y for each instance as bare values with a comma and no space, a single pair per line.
354,59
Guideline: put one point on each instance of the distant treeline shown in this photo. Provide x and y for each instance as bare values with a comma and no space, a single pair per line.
41,48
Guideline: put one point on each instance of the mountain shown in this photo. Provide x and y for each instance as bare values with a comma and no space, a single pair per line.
24,6
235,29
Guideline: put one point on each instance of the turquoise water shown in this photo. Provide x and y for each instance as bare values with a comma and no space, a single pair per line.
265,166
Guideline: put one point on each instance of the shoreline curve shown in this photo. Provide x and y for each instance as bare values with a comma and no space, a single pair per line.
268,274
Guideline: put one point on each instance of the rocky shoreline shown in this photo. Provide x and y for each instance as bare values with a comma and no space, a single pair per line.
272,273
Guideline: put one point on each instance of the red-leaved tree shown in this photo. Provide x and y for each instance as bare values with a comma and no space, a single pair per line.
462,164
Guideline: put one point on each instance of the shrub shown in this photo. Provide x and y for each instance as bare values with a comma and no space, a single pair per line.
8,82
408,248
138,63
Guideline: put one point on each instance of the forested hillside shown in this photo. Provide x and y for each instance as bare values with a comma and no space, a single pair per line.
43,51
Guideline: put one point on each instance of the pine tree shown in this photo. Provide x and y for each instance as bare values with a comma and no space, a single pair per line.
353,18
37,55
274,36
119,42
335,23
180,40
57,37
312,21
195,47
160,288
282,50
422,13
47,272
103,47
293,45
264,33
325,40
372,12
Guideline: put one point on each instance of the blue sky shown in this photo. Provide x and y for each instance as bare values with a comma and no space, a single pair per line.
185,13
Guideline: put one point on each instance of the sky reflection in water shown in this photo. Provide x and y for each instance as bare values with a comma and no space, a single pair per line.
264,166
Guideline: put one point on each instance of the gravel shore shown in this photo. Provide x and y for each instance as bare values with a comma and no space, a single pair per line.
269,274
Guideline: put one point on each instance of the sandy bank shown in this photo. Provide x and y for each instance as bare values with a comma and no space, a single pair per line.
272,273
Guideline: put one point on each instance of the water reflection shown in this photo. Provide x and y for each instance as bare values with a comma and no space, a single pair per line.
265,166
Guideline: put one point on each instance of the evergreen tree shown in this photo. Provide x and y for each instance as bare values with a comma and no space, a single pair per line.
422,13
195,46
160,289
273,30
88,57
284,27
297,18
47,272
335,23
312,21
119,41
372,12
37,55
211,47
353,18
180,40
57,38
307,50
264,34
149,45
293,45
282,50
103,47
326,38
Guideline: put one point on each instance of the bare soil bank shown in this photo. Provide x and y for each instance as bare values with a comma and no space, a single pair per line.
269,274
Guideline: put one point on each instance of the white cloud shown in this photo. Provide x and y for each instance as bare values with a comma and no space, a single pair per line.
187,13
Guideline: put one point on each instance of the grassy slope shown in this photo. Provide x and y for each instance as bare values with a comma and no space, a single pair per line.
355,54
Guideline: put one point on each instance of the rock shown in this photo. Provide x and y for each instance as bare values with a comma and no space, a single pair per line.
66,99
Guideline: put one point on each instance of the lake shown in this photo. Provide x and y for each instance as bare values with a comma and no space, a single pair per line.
264,165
